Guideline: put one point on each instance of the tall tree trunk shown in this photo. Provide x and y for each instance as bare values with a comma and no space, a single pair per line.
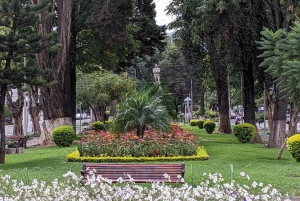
248,98
293,117
34,109
278,129
58,101
2,124
16,109
221,78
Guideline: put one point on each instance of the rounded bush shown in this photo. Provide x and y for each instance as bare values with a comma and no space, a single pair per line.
98,125
63,136
107,125
200,123
209,126
194,122
293,145
244,132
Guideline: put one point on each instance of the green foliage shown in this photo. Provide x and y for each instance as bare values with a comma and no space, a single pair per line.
75,157
18,36
100,88
194,122
259,117
209,126
244,132
200,123
107,125
7,112
139,110
212,114
98,125
63,136
281,56
293,145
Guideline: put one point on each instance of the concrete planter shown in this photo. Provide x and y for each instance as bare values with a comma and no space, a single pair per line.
11,151
20,150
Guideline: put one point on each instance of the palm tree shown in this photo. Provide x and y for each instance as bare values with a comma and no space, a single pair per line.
140,110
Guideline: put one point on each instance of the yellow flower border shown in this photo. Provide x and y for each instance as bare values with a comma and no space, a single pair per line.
75,157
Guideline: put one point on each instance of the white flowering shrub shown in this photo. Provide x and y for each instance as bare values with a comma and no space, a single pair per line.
100,189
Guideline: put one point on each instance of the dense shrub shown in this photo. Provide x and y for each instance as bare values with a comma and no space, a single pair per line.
63,136
98,125
212,114
244,132
194,122
209,126
107,125
101,143
293,145
200,123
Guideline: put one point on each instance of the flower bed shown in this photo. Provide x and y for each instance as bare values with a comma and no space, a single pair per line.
100,189
154,144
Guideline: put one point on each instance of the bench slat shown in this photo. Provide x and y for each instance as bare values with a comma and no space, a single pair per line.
141,173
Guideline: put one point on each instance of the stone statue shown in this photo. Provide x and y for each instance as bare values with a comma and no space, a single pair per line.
156,72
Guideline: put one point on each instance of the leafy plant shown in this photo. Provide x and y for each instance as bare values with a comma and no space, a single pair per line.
139,111
63,136
194,122
200,123
209,126
98,125
293,145
244,132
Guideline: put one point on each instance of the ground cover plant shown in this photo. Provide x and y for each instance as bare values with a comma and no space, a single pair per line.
227,156
98,188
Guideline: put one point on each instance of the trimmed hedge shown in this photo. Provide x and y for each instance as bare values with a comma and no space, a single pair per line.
200,123
75,157
63,136
98,125
194,122
209,126
244,132
293,145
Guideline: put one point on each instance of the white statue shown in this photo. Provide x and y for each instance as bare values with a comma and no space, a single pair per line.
156,72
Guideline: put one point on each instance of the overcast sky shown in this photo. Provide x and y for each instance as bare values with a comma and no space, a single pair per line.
161,17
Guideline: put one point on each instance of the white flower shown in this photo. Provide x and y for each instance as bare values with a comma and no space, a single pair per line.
242,174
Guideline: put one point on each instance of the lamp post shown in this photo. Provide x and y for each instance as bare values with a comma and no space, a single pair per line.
187,102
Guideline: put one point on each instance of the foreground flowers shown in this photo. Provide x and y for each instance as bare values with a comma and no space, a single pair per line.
100,189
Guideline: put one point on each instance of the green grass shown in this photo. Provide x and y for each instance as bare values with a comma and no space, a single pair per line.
227,156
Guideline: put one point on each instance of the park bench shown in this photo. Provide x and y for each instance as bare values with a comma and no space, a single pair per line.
141,173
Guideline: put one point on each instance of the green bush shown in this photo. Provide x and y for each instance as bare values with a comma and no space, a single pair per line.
212,114
98,125
244,132
194,122
63,136
209,126
200,123
107,125
293,145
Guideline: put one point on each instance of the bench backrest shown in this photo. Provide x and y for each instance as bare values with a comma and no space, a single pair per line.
141,173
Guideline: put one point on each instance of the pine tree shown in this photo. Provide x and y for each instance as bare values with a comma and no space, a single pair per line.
18,37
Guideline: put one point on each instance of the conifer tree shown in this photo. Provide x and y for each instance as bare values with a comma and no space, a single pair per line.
17,19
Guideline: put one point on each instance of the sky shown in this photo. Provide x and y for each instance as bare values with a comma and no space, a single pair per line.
161,17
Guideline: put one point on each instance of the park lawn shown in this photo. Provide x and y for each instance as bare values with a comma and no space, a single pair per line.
227,156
